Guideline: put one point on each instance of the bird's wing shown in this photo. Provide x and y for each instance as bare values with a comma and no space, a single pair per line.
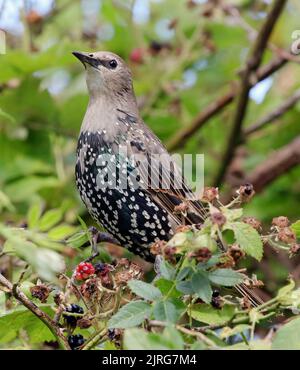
160,175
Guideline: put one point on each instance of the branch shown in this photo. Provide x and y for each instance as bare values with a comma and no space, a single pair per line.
276,165
253,62
21,297
280,111
217,106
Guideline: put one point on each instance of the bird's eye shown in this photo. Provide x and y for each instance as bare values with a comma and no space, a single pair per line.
113,64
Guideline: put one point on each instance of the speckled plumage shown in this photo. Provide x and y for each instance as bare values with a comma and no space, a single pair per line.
138,215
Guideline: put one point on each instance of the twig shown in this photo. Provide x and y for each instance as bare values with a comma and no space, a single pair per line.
223,101
21,297
253,62
280,111
275,165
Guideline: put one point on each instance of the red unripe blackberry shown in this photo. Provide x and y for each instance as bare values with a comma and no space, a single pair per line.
84,270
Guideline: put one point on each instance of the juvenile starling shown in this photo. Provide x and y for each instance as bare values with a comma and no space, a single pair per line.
115,148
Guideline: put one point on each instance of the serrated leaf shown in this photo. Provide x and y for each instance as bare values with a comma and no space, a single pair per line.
248,239
144,290
201,286
130,315
166,311
225,277
288,336
207,314
49,219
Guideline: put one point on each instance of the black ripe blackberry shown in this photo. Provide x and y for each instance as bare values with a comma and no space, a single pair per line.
75,341
72,308
215,293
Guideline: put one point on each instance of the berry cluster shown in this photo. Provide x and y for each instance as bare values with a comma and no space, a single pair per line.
72,320
84,270
75,341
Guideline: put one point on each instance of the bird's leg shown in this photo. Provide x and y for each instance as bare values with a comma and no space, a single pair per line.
99,237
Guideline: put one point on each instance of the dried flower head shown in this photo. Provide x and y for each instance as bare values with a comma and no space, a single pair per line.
41,292
246,192
201,254
287,235
254,222
218,218
210,194
281,222
235,252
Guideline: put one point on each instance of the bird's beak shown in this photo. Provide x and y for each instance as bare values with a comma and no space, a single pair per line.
86,58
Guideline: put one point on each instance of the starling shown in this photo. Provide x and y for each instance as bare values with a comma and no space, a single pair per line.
125,176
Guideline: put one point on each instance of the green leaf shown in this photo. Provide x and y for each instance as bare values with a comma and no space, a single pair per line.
288,336
201,286
166,270
296,228
225,277
185,287
207,314
34,215
49,219
13,321
132,314
61,232
139,339
47,263
167,288
166,311
183,273
144,290
248,239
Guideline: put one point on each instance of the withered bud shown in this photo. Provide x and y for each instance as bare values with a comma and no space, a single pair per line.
226,261
169,253
287,235
245,303
281,222
41,292
253,283
246,192
294,249
201,255
122,277
183,228
59,298
84,323
218,218
90,288
210,194
158,247
235,252
181,208
254,222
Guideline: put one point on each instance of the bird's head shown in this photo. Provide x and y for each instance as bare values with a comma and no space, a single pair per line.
106,73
